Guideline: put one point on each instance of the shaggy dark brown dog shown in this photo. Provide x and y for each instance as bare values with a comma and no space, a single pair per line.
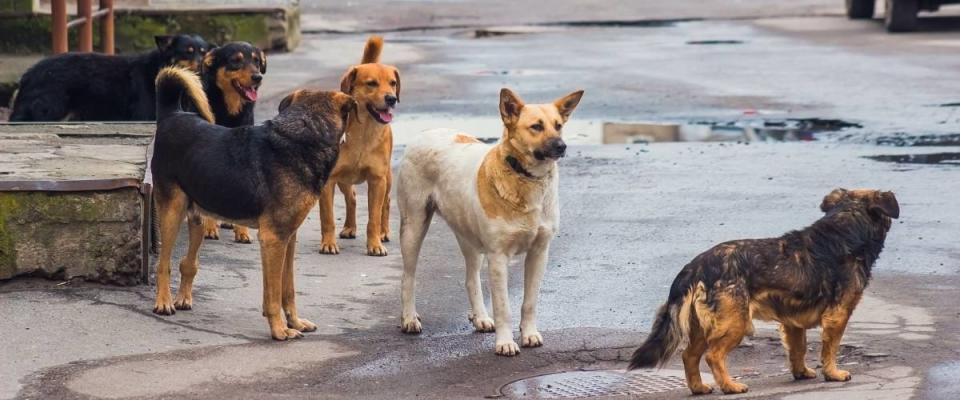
802,279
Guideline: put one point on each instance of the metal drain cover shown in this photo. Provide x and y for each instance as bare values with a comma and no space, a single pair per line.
579,384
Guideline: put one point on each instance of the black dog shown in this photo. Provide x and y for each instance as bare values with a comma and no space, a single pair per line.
268,177
803,279
231,76
98,87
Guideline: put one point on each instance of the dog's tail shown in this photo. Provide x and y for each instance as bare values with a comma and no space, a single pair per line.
371,52
671,325
174,85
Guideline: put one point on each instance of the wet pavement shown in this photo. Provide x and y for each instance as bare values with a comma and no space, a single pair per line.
631,216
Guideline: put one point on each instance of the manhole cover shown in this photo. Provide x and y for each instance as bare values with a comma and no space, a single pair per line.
596,384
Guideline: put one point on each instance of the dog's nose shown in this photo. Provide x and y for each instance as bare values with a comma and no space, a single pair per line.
256,78
390,99
557,147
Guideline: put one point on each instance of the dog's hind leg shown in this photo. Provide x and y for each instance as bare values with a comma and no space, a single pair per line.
189,264
290,291
349,230
241,234
415,216
171,207
385,214
211,228
534,265
833,323
376,193
729,323
273,253
795,341
478,311
691,359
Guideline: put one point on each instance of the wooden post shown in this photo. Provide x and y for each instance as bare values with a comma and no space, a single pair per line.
106,27
85,10
59,11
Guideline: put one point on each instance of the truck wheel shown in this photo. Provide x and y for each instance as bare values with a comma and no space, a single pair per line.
901,15
860,9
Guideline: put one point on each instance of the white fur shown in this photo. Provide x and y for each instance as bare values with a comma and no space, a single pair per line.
439,174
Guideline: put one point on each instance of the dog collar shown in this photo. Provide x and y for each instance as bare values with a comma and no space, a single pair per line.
516,167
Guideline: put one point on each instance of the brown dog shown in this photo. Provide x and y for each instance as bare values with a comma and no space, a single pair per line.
803,279
365,155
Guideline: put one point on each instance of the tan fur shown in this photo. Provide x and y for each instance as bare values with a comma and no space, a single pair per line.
465,139
191,81
364,156
503,193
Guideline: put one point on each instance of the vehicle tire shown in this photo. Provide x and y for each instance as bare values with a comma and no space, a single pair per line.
901,15
860,9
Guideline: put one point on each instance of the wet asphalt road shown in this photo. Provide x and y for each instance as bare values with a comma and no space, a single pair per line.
631,216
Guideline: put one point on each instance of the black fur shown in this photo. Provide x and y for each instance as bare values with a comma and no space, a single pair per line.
220,58
98,87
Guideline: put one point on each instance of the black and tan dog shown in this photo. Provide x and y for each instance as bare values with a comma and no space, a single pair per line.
803,279
99,87
231,76
267,176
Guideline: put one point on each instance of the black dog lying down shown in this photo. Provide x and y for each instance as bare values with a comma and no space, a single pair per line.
98,87
267,177
814,276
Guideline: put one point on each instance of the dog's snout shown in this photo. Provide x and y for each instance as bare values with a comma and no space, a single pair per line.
557,147
256,78
390,99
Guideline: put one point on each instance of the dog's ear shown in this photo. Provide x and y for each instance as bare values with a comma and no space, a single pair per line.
566,104
510,106
350,106
346,83
208,59
396,74
163,41
287,101
831,200
885,203
263,61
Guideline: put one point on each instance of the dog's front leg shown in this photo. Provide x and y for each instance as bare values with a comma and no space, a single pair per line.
377,191
328,242
505,346
534,265
290,291
273,251
833,323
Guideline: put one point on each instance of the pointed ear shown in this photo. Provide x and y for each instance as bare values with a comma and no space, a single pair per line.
886,203
163,41
208,60
346,83
263,61
287,101
396,74
510,106
566,104
831,200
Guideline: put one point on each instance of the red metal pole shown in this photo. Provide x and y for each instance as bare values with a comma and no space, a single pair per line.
85,10
106,27
58,10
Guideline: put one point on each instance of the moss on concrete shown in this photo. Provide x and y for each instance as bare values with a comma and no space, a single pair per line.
8,251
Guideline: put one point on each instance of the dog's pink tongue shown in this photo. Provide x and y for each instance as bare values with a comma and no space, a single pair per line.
250,93
385,116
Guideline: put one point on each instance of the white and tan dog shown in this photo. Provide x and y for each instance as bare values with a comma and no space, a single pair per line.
500,201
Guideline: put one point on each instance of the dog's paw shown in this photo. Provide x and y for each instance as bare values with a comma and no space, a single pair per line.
211,232
183,302
376,250
348,233
482,324
808,373
385,237
286,334
241,236
329,248
163,306
532,339
700,389
411,325
508,348
301,325
734,388
837,375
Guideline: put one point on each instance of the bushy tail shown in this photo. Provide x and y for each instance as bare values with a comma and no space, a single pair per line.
173,85
371,52
671,325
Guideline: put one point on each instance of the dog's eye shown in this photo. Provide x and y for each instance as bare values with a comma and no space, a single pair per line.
189,49
203,50
393,83
537,127
372,84
558,126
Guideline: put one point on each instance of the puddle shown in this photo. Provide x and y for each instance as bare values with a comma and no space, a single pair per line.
905,140
710,42
957,104
747,130
932,158
642,23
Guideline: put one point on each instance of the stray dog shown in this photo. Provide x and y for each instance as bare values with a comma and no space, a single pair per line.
231,76
98,87
267,177
366,156
500,201
814,276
